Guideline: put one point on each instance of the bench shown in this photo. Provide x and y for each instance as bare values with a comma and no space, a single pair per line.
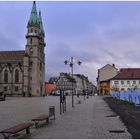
40,118
15,129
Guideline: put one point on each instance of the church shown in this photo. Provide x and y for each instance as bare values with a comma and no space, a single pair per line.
23,72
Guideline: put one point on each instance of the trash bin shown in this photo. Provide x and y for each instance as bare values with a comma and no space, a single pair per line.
52,111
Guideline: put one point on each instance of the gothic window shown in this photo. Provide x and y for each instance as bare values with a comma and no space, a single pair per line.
40,65
5,88
16,88
31,40
31,63
31,30
16,76
6,76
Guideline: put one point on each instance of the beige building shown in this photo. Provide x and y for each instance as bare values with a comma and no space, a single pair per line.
103,80
23,72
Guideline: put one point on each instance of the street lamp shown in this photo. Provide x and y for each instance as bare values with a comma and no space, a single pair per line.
71,63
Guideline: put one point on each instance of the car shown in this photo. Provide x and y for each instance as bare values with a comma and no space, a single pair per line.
2,96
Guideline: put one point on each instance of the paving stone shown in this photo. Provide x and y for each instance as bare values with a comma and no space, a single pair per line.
85,121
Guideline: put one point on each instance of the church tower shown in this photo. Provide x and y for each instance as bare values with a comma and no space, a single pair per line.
34,60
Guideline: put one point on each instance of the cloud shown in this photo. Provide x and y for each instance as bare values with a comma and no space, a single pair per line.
94,32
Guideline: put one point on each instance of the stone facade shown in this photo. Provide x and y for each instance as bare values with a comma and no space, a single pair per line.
23,72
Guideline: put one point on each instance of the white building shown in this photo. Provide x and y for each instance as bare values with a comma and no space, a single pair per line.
126,79
79,83
66,83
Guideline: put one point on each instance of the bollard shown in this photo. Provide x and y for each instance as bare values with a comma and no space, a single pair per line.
52,112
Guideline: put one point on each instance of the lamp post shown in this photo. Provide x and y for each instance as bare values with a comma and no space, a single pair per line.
71,63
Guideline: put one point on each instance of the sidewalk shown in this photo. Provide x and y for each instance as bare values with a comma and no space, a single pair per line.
88,120
85,121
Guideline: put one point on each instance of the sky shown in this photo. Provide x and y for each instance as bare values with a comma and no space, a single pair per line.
95,32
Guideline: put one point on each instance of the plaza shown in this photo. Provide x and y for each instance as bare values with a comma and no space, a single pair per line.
88,120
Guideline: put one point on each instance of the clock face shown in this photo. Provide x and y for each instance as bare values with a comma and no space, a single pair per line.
31,50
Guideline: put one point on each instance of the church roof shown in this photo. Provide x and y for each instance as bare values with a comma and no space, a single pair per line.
11,56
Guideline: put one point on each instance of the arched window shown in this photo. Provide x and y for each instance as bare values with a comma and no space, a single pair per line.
16,76
6,76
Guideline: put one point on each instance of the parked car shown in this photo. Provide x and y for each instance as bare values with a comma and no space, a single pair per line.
2,96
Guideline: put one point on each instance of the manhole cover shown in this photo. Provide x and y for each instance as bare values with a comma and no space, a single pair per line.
117,131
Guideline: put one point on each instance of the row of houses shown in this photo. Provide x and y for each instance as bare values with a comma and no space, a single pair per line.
111,79
79,83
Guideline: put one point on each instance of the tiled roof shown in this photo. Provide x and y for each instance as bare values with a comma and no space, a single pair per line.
10,56
129,70
128,73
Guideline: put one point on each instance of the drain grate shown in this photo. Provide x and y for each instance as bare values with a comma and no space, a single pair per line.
117,131
112,115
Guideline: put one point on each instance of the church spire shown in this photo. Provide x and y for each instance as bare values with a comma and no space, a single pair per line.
33,17
41,24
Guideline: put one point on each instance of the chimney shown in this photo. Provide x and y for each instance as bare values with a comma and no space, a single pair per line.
113,65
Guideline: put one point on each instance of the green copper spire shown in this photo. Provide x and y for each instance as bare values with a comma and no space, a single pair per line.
33,17
40,23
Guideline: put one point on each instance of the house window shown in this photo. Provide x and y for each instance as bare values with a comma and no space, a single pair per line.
16,88
122,89
5,88
122,82
6,76
128,82
134,82
116,82
16,76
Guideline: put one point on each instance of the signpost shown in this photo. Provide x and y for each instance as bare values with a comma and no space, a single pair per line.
64,84
62,102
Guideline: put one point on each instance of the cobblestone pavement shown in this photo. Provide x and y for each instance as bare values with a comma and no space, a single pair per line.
88,120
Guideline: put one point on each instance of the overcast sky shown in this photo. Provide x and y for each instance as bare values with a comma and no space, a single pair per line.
97,33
